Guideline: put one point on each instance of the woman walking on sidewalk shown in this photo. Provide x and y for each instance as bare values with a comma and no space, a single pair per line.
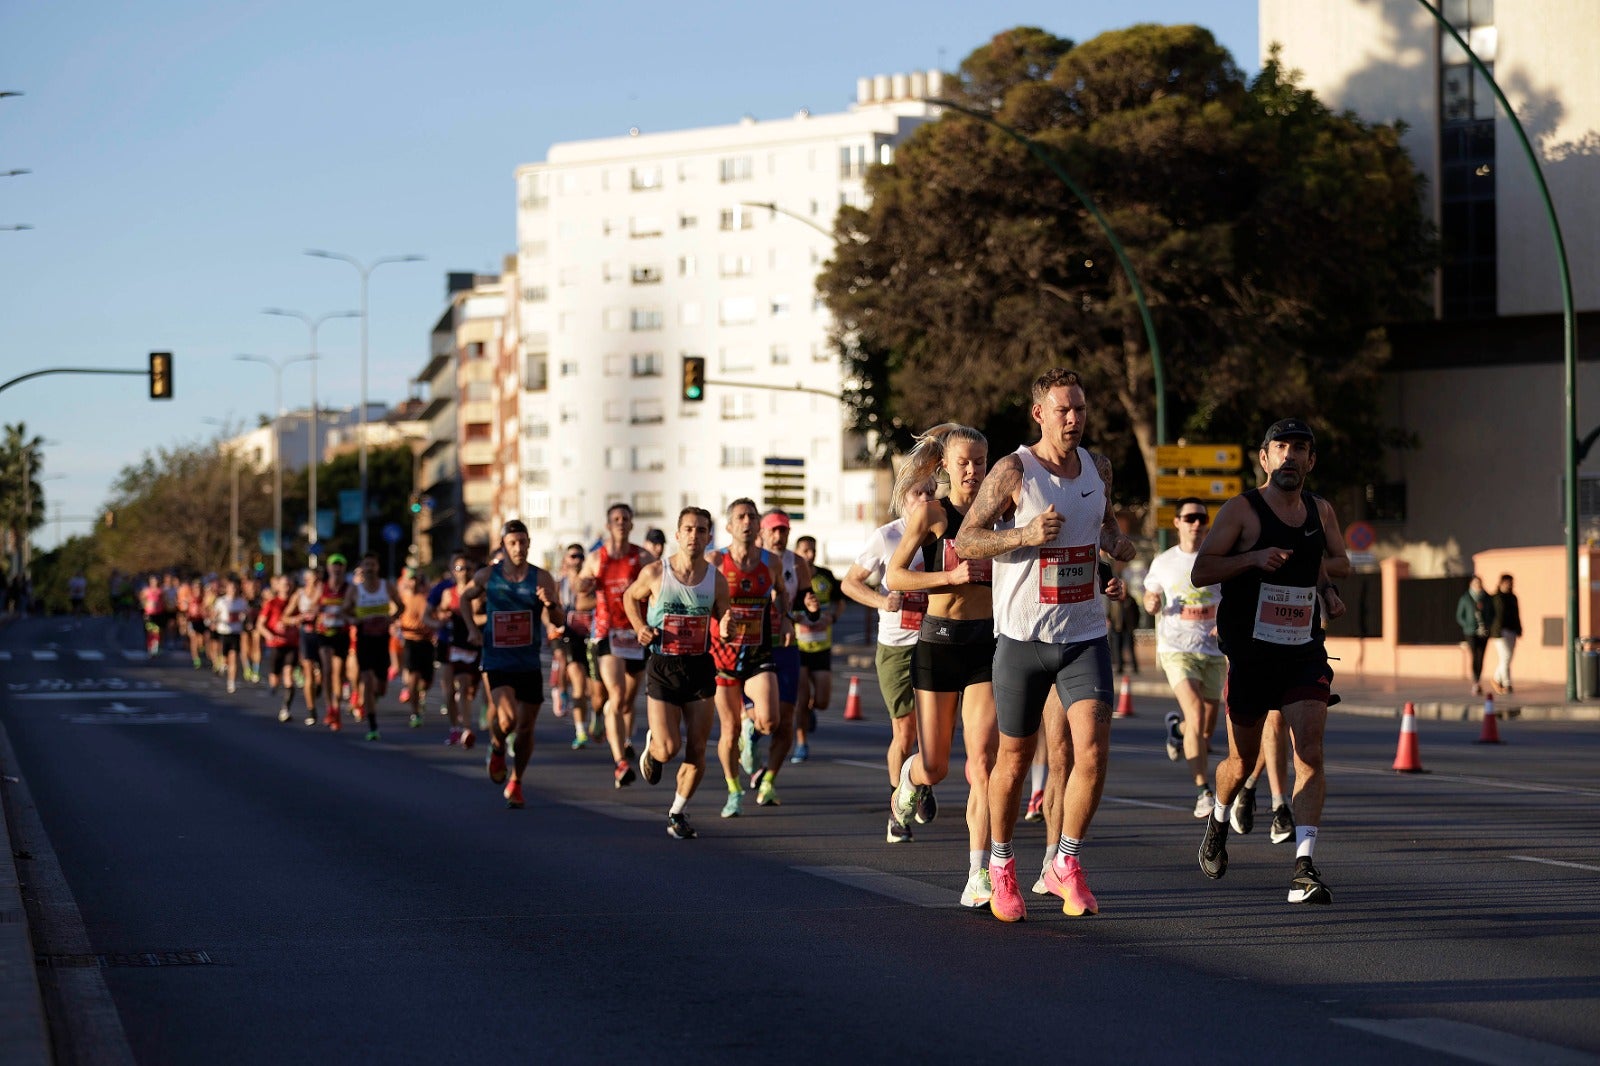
1505,627
1474,612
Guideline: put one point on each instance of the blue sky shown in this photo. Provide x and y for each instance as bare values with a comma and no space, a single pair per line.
185,154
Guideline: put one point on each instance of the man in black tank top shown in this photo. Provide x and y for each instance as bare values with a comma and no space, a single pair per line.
1273,549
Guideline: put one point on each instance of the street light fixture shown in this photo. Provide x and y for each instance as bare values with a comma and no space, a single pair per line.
277,367
313,424
365,271
13,173
22,226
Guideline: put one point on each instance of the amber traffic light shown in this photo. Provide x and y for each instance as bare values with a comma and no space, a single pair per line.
161,375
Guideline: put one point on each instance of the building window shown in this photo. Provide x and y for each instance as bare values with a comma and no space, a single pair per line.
477,471
853,161
536,429
687,266
477,431
736,311
639,320
735,359
736,457
647,364
1467,201
685,170
645,226
780,307
687,221
646,412
646,178
780,355
646,275
737,406
535,294
473,350
569,369
734,168
532,249
535,191
649,457
648,504
535,370
615,365
735,218
616,458
735,265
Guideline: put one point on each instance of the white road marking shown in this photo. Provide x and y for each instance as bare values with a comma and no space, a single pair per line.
40,655
1487,782
1147,803
172,718
137,695
5,656
862,765
1471,1042
91,655
134,656
1554,862
904,889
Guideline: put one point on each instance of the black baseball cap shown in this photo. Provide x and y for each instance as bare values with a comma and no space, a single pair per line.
1288,429
655,536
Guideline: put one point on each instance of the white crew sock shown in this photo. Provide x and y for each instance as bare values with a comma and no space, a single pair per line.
1305,841
1220,812
975,859
679,802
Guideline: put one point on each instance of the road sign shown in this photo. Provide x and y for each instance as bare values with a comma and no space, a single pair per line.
392,532
1360,536
349,506
1199,456
1174,486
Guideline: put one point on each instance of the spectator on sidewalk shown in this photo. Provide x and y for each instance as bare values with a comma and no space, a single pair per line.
1474,613
1122,619
1505,626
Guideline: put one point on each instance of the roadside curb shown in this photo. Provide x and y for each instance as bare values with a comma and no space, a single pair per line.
24,1033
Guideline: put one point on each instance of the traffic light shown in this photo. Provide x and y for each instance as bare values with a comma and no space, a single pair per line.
416,503
694,378
161,375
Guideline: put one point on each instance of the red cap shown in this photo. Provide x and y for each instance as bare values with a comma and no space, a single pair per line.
775,520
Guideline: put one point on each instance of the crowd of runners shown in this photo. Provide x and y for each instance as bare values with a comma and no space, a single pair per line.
990,586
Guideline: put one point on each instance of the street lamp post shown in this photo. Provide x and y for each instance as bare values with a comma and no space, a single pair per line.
365,271
233,499
277,448
312,325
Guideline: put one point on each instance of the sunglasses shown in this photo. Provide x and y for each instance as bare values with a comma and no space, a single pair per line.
1193,516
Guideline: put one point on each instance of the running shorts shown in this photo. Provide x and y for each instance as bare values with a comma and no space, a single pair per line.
1256,686
952,653
419,659
284,658
1206,671
372,654
681,679
602,647
230,642
894,678
338,643
1024,671
818,662
464,660
527,686
787,660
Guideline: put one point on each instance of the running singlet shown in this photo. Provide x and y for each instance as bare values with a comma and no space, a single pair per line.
681,614
1277,613
749,613
330,610
1052,593
511,638
272,613
580,624
616,573
414,623
791,588
939,555
228,615
896,629
372,610
152,600
816,634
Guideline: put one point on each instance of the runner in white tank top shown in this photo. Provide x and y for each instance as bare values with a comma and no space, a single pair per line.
1053,503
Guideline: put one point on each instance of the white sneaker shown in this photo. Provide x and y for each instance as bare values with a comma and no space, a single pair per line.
230,688
1039,887
978,890
1204,804
283,714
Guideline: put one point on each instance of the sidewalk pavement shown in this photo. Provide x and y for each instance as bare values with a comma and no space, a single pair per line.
24,1035
1448,699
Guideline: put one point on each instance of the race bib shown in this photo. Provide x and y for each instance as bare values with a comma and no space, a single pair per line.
1198,612
1067,575
980,570
807,632
580,623
330,619
511,629
744,626
913,605
1284,614
625,644
684,634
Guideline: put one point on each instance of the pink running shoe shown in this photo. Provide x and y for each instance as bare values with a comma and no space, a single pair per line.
454,738
1006,902
405,693
1064,877
1035,812
497,765
467,739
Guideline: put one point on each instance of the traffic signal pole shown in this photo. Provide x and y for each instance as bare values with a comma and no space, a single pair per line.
19,379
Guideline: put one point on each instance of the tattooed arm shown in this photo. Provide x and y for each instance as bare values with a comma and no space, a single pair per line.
998,495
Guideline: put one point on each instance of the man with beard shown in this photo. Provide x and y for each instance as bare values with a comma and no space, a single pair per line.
1272,549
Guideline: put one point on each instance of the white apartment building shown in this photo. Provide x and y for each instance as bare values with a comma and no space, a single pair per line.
636,251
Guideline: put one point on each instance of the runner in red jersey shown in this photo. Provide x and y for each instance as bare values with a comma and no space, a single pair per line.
281,641
609,573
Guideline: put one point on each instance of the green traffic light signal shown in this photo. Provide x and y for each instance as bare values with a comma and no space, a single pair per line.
694,378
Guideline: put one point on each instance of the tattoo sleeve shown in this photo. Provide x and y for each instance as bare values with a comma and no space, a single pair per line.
978,538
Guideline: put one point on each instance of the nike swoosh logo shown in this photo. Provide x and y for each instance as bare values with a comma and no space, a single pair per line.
1311,532
1089,493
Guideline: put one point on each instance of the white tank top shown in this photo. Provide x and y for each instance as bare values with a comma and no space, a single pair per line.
372,609
1052,593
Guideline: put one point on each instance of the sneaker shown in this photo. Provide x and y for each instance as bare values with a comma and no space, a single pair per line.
333,719
978,889
1040,888
1214,849
623,775
756,778
405,693
1242,818
372,734
768,794
678,826
559,705
897,833
902,805
1307,886
926,808
416,720
1204,802
580,742
1035,811
513,795
802,752
467,739
1174,736
1005,901
649,769
496,764
748,739
735,805
1065,879
311,719
1282,824
283,714
628,753
454,737
230,688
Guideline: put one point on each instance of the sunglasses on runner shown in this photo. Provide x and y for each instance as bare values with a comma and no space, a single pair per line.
1194,516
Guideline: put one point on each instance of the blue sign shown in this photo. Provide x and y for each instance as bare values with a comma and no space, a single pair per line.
325,523
392,532
349,506
268,540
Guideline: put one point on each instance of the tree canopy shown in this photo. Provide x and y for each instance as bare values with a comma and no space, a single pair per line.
1273,238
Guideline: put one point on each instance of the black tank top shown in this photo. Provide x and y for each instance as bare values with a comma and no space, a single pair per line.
1243,614
940,554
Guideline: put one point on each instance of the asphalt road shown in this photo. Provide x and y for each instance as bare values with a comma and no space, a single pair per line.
376,902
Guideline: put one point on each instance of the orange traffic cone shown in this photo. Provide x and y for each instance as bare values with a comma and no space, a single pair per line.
852,702
1125,699
1407,759
1491,724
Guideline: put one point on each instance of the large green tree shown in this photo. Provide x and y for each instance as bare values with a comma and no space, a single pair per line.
22,502
1273,238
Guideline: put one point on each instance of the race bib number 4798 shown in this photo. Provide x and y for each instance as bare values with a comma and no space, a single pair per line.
1066,575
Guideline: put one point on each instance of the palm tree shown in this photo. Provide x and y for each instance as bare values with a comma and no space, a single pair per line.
21,496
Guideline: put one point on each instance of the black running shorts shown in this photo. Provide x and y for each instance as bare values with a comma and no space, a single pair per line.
284,658
1258,685
953,653
527,686
681,679
372,655
1025,670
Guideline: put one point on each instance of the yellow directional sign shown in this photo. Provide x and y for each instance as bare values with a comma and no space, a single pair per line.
1172,486
1199,456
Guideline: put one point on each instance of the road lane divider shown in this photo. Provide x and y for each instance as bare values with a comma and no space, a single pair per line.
1555,862
1475,1043
904,889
